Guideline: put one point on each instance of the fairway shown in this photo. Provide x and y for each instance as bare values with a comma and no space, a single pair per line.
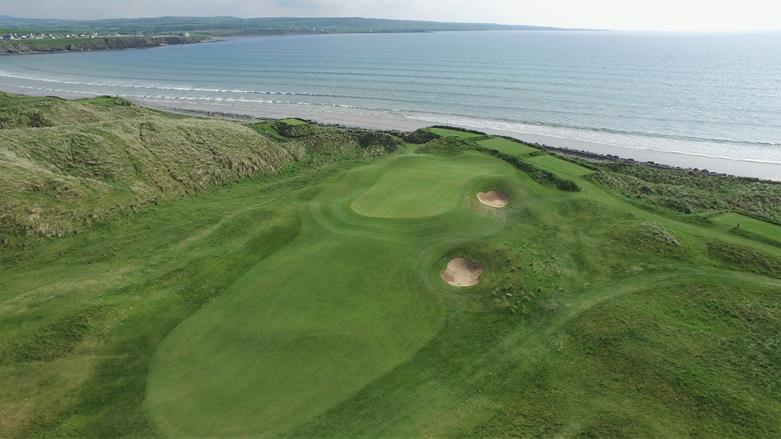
265,345
507,146
427,290
737,223
560,166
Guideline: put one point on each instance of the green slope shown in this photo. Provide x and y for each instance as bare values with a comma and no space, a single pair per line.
38,112
68,165
309,303
59,180
244,26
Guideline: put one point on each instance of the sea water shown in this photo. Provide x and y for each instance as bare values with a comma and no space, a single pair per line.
711,95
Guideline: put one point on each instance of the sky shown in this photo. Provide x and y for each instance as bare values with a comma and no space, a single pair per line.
674,15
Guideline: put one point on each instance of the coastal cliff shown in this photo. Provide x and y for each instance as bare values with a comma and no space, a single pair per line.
89,44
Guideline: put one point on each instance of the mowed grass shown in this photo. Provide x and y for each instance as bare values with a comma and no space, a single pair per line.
418,186
311,305
508,146
559,166
290,342
281,326
737,223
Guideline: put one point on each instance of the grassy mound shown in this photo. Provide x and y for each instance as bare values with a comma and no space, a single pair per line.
37,112
745,258
60,180
655,364
648,237
691,192
67,165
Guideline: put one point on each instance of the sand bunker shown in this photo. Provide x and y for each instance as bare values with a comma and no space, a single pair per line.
461,272
493,198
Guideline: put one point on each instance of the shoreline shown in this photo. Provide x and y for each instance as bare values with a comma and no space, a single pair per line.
395,121
7,48
389,121
19,48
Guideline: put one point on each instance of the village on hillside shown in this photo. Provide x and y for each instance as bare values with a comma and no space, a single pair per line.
54,36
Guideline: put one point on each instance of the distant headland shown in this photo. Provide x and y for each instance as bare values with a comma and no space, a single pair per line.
35,35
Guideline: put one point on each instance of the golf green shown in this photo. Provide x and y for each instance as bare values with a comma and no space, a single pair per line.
421,186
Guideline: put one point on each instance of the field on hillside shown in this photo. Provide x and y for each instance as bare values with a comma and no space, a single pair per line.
308,299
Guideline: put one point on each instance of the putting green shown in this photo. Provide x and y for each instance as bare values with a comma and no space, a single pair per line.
423,186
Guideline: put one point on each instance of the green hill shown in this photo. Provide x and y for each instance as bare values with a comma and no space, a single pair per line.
95,161
86,44
65,165
39,112
124,33
236,25
293,280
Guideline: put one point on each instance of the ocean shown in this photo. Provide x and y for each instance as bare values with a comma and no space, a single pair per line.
692,95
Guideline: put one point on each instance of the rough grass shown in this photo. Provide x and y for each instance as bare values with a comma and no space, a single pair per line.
655,364
57,181
745,258
646,236
456,132
38,112
691,192
84,162
54,340
294,122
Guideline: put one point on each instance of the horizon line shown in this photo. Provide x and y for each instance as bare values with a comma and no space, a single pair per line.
419,20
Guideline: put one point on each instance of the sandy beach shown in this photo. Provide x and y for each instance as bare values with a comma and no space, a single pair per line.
394,121
388,120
